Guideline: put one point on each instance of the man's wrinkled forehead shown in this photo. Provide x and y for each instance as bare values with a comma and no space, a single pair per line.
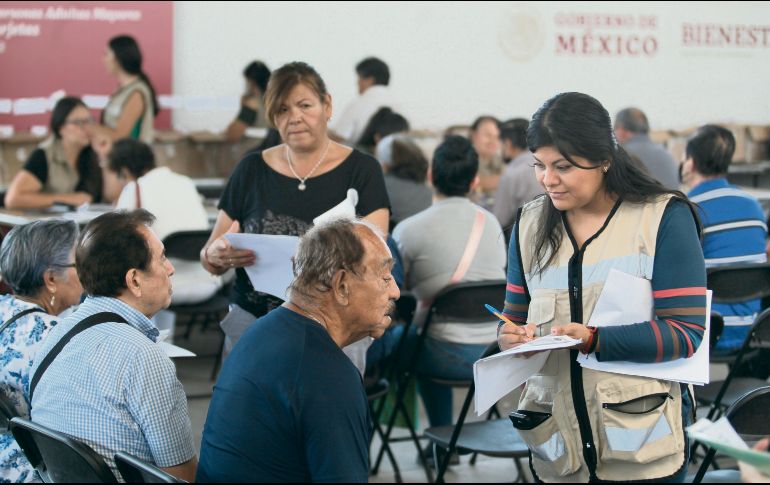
377,250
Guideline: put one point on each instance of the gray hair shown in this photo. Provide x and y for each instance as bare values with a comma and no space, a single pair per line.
324,250
633,120
30,250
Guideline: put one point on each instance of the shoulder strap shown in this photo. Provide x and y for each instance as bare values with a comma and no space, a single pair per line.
471,247
18,316
84,324
138,194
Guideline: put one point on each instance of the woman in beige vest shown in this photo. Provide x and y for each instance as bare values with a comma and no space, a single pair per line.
64,169
130,110
602,215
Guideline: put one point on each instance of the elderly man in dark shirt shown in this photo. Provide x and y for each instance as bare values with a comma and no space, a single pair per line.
289,405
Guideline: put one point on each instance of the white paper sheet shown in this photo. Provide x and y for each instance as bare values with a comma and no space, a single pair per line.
500,374
722,436
346,208
628,299
171,350
272,273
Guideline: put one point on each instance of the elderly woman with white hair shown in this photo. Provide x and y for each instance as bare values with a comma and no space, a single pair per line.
37,262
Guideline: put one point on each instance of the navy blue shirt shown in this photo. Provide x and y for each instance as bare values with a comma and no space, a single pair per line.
289,406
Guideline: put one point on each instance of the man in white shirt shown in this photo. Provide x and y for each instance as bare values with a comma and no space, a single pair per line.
373,79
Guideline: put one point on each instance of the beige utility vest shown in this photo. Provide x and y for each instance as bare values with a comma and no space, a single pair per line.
602,426
143,129
63,178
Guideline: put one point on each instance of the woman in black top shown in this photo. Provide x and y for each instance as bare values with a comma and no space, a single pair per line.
64,169
282,189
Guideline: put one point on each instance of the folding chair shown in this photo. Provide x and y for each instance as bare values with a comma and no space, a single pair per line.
186,246
459,303
492,437
719,395
57,458
735,284
750,416
135,470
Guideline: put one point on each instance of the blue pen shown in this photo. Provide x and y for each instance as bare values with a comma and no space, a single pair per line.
498,314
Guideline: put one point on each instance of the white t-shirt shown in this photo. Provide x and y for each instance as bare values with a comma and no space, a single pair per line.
172,198
357,114
177,206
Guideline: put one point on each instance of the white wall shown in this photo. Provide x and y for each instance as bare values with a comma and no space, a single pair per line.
451,61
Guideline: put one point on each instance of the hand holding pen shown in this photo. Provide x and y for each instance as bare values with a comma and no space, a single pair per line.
509,334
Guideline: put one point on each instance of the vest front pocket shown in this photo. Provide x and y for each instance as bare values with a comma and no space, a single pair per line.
553,454
641,428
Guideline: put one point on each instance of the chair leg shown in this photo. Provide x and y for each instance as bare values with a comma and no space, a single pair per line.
521,477
704,466
218,359
389,452
492,414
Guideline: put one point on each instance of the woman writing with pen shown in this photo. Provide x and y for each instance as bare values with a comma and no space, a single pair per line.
599,213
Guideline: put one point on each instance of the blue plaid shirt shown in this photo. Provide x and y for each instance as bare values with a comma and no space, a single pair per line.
114,389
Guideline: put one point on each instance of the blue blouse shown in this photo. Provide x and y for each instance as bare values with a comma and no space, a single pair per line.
18,345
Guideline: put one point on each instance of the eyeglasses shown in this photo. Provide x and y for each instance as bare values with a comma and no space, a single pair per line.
81,122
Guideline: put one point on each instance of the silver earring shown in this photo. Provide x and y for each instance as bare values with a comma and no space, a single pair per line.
53,298
606,168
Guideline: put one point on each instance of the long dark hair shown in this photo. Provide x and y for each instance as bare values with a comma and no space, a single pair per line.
61,110
129,57
576,124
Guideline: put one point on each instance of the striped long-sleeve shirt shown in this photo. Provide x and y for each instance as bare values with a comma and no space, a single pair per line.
679,291
734,232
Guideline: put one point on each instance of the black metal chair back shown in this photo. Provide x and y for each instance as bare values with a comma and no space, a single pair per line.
135,470
186,245
739,282
750,416
58,458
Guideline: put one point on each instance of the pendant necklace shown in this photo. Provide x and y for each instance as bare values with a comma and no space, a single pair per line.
302,186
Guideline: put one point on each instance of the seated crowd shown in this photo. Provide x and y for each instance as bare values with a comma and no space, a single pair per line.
78,333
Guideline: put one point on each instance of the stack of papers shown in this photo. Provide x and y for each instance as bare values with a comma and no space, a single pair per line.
615,307
721,436
272,273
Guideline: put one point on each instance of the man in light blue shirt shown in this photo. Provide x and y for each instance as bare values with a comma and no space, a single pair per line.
112,387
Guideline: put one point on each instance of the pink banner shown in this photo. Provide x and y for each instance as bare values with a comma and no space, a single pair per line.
47,47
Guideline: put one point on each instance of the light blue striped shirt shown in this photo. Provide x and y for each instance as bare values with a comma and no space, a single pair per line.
114,389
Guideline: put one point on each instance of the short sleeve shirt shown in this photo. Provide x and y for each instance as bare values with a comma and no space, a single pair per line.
264,201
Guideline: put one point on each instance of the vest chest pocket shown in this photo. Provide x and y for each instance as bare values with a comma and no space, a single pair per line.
542,312
642,424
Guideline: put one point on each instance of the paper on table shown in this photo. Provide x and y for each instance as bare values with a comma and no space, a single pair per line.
628,299
272,273
722,436
171,350
496,376
346,208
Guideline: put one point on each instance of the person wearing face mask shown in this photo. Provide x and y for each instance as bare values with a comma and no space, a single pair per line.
601,213
282,189
64,169
37,263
